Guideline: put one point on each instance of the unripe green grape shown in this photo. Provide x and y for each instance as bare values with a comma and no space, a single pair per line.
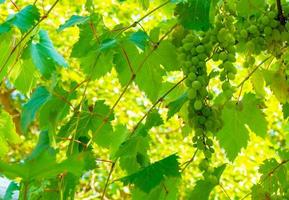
207,153
268,30
223,56
209,142
204,164
274,24
192,76
228,65
265,20
215,57
195,60
200,49
199,132
226,85
198,105
192,93
188,46
196,85
253,29
231,57
202,56
244,34
213,180
209,125
231,76
276,35
201,120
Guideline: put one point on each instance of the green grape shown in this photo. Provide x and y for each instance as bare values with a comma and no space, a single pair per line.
213,180
223,56
192,93
198,105
200,49
196,85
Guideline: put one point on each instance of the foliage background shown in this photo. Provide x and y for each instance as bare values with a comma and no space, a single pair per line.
238,177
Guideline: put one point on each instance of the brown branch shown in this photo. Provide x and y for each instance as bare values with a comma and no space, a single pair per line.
108,178
281,16
15,5
187,163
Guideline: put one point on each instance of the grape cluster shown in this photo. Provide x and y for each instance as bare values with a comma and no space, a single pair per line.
194,53
208,172
225,53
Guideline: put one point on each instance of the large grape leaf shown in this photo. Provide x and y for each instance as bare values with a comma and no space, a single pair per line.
44,55
204,187
250,7
72,21
26,79
38,98
151,176
148,66
176,105
42,164
234,135
24,19
133,153
8,133
6,44
167,189
55,109
96,64
194,14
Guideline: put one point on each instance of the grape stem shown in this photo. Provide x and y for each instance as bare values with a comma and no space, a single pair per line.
281,16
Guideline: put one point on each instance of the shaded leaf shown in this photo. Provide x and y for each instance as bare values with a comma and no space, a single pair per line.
72,21
38,98
149,177
194,14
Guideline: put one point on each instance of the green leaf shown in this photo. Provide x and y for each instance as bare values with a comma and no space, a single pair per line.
6,44
26,79
133,153
247,8
203,188
55,109
153,119
10,191
42,164
44,55
151,176
176,105
26,18
285,110
167,189
166,55
234,135
72,21
144,3
8,133
194,14
140,38
96,64
38,98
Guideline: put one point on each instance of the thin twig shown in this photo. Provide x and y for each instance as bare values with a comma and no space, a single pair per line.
281,16
155,104
225,192
187,163
15,5
107,180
